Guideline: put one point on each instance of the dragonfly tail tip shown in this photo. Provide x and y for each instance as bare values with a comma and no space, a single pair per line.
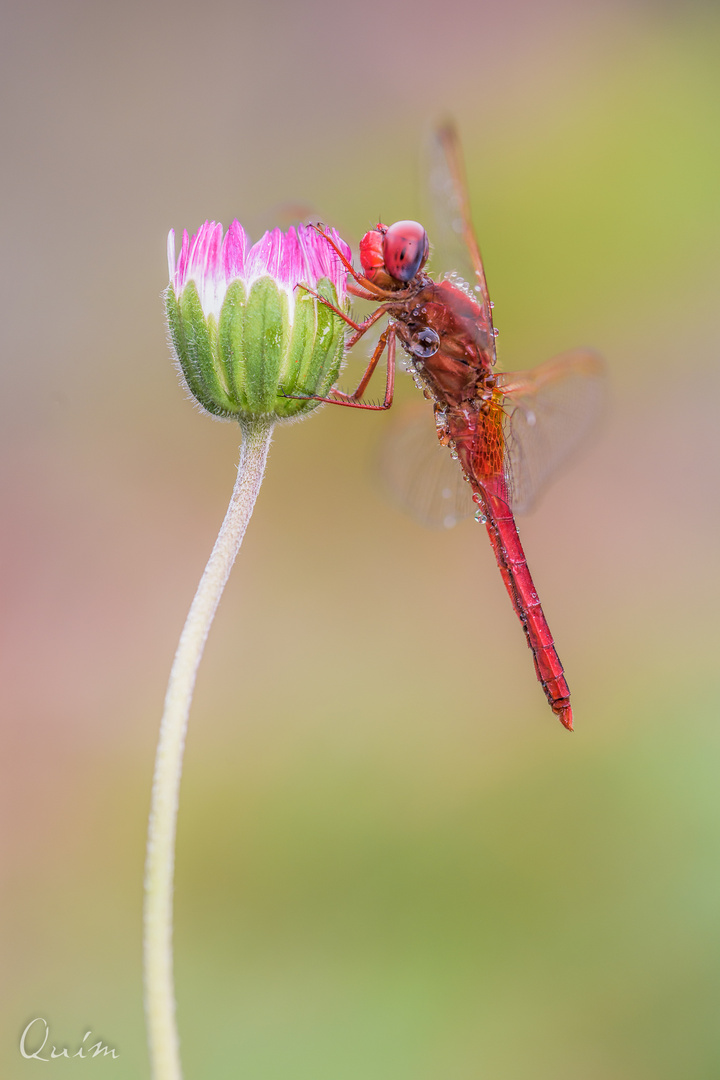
565,716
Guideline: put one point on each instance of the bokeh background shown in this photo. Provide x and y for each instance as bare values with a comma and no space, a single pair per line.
392,862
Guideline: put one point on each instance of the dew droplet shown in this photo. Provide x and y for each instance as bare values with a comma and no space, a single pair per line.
480,517
495,331
454,455
492,305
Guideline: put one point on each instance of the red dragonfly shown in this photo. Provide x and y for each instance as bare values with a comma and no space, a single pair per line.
498,426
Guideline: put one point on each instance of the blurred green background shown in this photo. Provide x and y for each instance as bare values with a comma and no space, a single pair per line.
392,861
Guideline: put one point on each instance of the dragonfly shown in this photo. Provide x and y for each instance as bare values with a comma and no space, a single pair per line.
507,431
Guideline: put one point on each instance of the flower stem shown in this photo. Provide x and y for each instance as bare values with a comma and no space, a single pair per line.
159,866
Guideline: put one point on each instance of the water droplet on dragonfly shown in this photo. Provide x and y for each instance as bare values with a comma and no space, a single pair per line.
495,331
492,304
480,517
454,455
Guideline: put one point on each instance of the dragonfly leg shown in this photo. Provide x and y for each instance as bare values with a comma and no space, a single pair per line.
352,401
387,338
359,327
375,291
369,290
363,294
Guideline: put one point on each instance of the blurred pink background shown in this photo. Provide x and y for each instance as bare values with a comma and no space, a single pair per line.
392,861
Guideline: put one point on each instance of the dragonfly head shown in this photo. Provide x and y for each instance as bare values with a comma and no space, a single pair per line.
391,256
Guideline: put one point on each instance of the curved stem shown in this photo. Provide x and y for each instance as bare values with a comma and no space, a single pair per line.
158,913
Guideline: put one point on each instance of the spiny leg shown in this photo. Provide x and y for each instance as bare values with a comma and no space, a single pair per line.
359,327
362,294
387,338
374,290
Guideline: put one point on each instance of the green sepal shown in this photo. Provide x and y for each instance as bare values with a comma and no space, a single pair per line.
180,347
252,361
299,356
330,340
231,344
197,357
266,332
315,352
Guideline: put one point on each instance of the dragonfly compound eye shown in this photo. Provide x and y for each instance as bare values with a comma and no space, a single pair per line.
425,343
405,249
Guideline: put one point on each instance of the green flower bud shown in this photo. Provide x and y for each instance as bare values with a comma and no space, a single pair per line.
245,336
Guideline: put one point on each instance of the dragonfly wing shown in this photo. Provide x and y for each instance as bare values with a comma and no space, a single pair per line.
548,413
419,474
453,237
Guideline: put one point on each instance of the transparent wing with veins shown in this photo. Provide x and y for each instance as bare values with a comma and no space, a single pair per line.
419,474
453,240
549,412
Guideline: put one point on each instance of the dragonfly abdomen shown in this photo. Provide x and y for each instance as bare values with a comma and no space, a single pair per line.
519,584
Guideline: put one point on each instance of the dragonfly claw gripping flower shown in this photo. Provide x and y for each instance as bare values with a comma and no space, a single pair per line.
246,335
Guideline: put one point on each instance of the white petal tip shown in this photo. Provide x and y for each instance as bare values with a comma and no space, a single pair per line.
171,256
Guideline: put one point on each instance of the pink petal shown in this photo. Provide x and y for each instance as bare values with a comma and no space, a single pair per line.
213,260
265,257
301,256
292,269
195,250
182,263
307,273
234,251
322,260
201,249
